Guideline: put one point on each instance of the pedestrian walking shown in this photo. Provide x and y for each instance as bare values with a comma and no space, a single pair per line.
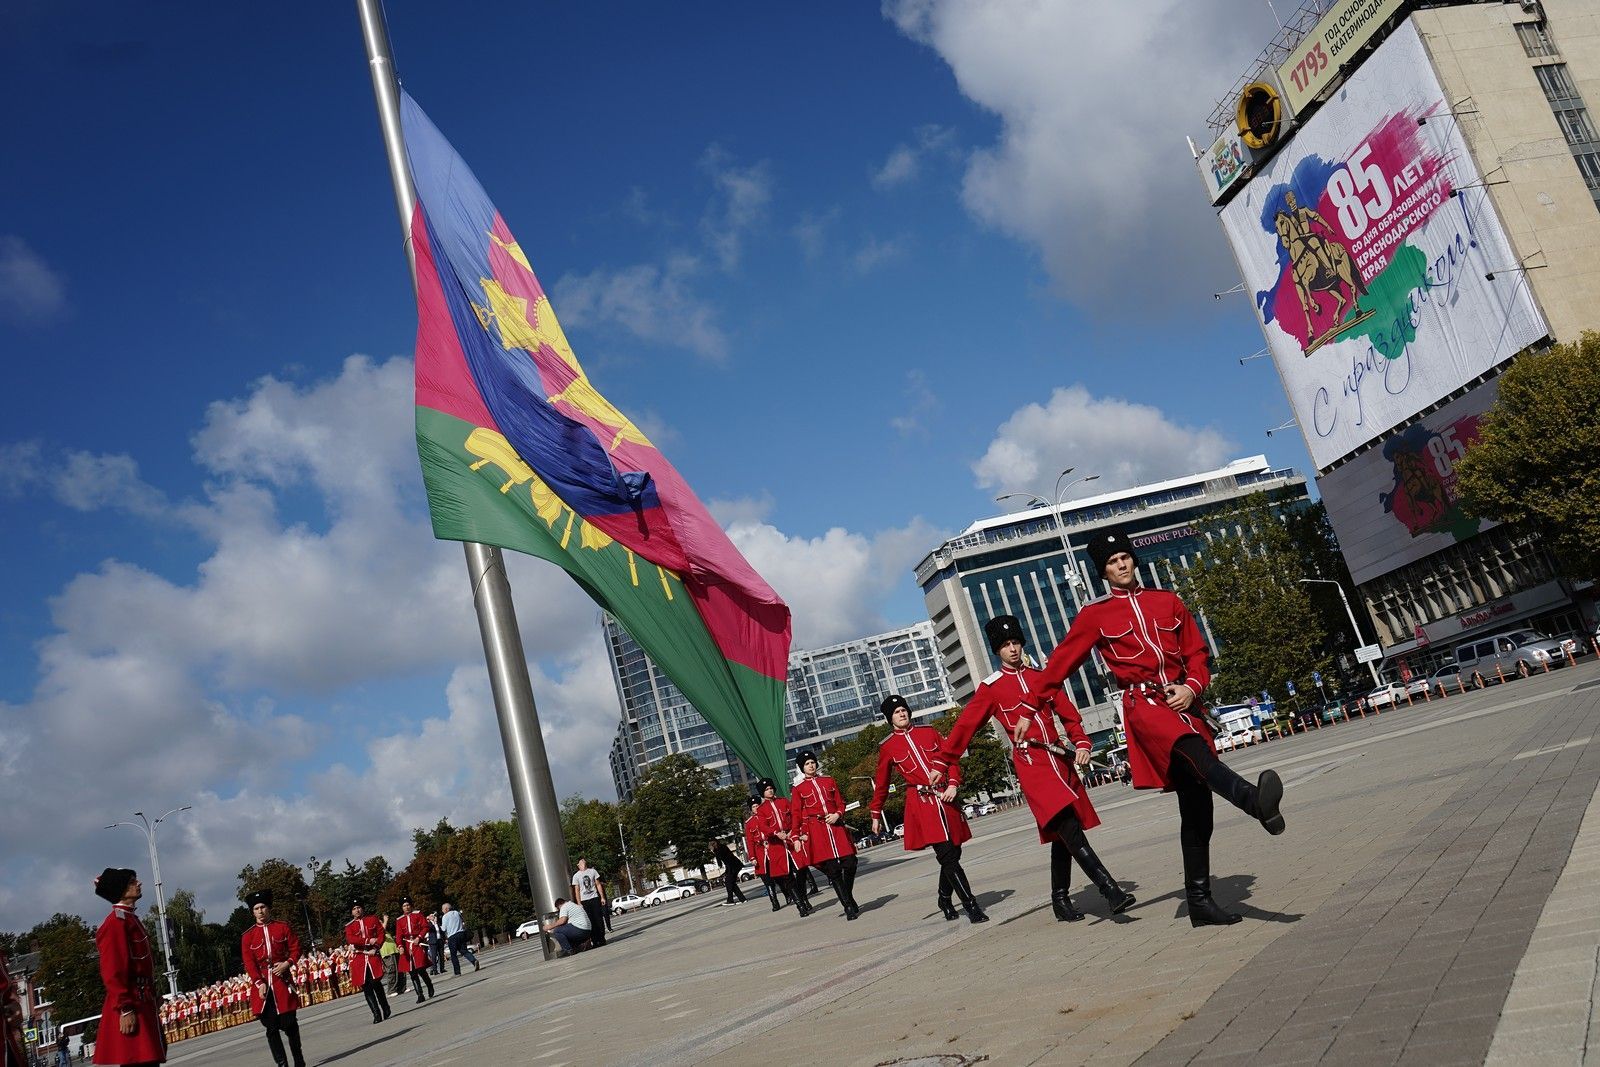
365,936
411,934
819,812
436,943
130,1027
455,937
270,950
783,862
589,890
730,871
1153,648
1040,725
931,818
757,851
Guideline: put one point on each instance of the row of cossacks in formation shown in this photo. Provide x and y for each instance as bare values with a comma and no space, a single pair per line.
1150,644
135,1027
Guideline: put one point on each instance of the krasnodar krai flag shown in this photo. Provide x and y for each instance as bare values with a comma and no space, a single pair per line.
520,450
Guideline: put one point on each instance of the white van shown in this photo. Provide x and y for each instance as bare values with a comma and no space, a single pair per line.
1519,652
1238,722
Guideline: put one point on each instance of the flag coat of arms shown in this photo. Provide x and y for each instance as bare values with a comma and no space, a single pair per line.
520,450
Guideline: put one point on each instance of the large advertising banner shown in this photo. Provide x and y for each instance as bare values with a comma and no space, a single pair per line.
1382,277
1399,502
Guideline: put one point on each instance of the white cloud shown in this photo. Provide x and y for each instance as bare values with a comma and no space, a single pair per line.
654,303
899,168
920,402
741,510
738,204
904,162
837,583
875,253
1091,166
82,481
811,232
31,292
1123,442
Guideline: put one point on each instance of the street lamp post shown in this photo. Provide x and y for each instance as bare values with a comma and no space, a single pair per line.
625,865
148,828
1034,500
1355,630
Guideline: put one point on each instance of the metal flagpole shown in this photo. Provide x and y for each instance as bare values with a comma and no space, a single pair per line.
538,813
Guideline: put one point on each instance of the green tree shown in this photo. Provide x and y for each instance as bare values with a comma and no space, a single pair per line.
1246,586
486,877
852,762
69,966
1534,462
202,952
678,805
590,827
10,944
287,883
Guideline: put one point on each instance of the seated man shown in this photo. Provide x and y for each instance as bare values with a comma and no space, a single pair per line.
571,927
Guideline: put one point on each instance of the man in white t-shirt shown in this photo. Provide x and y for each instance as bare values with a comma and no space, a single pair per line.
571,927
590,893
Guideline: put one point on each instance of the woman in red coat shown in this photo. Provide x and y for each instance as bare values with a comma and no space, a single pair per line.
270,950
1040,725
930,818
819,812
130,1026
365,936
411,934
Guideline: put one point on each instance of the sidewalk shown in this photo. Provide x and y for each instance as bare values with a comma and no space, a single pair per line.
1418,891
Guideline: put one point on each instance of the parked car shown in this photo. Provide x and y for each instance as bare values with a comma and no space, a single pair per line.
1386,695
528,929
1418,687
1223,742
1331,712
670,891
626,903
988,808
1520,652
699,885
1448,676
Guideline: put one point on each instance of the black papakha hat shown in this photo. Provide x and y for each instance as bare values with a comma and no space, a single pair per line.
405,900
1105,545
891,702
754,800
357,902
1003,628
113,882
765,784
260,896
801,758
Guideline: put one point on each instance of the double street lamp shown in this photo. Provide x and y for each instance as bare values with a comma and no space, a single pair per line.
1355,630
1036,501
148,828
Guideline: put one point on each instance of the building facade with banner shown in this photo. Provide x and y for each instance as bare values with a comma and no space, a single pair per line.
1032,564
833,693
1429,211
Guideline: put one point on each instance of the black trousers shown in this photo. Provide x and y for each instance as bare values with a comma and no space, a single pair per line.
952,878
1069,837
419,977
842,876
595,908
730,880
278,1027
1191,759
372,989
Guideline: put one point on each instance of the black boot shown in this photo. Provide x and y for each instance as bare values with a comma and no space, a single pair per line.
969,901
1259,801
1203,911
801,904
1061,904
1119,899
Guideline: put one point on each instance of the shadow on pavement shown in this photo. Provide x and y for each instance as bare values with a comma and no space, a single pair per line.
390,1036
877,902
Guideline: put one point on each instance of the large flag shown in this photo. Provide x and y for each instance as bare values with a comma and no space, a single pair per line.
520,450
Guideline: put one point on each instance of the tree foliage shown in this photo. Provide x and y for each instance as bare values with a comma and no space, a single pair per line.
1534,462
479,869
69,966
287,882
1246,586
678,805
986,767
590,827
202,952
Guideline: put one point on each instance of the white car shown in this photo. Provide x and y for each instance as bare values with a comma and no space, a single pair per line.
667,892
625,903
528,929
1386,696
1223,741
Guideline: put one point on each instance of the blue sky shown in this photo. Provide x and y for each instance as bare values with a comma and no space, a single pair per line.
857,269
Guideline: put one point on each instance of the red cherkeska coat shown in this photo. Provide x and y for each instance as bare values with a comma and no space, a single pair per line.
783,857
754,845
411,934
365,935
263,946
1049,782
1148,640
929,818
127,968
812,801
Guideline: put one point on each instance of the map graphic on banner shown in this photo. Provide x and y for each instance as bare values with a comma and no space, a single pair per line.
1400,502
1381,274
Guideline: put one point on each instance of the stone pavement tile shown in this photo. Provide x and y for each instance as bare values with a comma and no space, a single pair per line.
1535,1059
1440,1055
1554,1040
1308,1030
1367,1049
1291,1053
1478,1031
1573,1012
1395,1022
1478,1005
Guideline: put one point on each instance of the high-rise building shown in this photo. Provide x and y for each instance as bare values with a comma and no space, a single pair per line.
1412,193
1020,564
833,692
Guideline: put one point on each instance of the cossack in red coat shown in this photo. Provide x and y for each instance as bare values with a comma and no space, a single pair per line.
1148,640
365,935
261,947
1049,782
812,801
411,934
127,968
929,818
754,845
783,857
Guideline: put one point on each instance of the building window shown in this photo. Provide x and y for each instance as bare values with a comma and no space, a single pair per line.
1535,39
1557,85
1589,167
